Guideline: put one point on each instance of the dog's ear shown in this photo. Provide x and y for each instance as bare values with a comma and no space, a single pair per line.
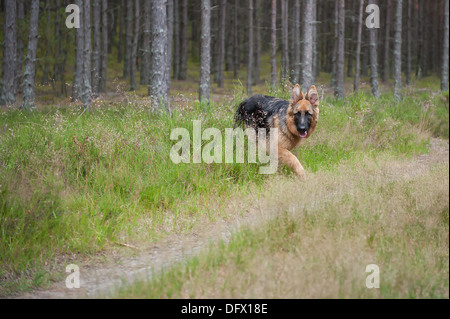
297,94
312,96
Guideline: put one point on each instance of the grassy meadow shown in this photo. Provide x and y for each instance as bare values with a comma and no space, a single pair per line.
74,184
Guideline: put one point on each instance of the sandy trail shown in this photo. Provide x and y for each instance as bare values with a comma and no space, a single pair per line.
100,278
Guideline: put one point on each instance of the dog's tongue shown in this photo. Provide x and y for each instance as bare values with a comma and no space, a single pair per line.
303,134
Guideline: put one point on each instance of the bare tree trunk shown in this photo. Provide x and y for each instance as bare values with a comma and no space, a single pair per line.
236,62
420,41
444,72
79,46
169,43
258,14
96,48
358,46
373,59
273,56
7,92
285,41
351,43
58,45
221,57
30,62
122,14
134,48
176,40
334,52
398,50
307,76
205,53
47,39
157,83
339,91
128,39
146,55
296,32
104,49
250,48
184,41
314,65
387,37
87,89
20,46
63,44
408,44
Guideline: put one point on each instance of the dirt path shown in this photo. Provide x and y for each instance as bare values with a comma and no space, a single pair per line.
99,278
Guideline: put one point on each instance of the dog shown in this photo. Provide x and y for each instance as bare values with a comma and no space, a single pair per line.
295,120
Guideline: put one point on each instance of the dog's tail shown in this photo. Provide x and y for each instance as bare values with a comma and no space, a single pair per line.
251,113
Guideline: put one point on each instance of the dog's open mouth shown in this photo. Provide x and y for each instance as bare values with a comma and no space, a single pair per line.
302,133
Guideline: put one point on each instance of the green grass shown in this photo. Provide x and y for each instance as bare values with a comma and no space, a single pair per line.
75,183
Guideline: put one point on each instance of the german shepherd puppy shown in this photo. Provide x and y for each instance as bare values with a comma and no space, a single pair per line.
295,120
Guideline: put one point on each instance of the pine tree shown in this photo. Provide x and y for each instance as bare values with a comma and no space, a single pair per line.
273,55
157,82
358,46
7,91
30,62
340,51
205,53
444,72
398,49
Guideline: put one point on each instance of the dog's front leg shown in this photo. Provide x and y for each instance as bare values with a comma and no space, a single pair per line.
286,157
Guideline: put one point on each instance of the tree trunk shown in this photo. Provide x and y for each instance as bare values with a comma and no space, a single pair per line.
339,91
105,46
205,53
30,62
398,50
335,40
285,41
20,46
273,56
96,47
169,43
176,40
258,13
157,83
408,44
314,65
250,48
79,45
358,46
307,45
297,36
128,39
134,48
47,39
87,89
373,59
236,51
7,93
221,44
147,33
350,42
184,41
444,72
387,37
122,14
419,58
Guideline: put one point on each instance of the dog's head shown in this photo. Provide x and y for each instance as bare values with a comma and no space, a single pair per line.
303,111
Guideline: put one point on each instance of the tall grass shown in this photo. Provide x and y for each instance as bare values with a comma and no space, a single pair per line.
73,183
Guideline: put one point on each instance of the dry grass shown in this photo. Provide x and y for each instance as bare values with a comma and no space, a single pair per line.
315,240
